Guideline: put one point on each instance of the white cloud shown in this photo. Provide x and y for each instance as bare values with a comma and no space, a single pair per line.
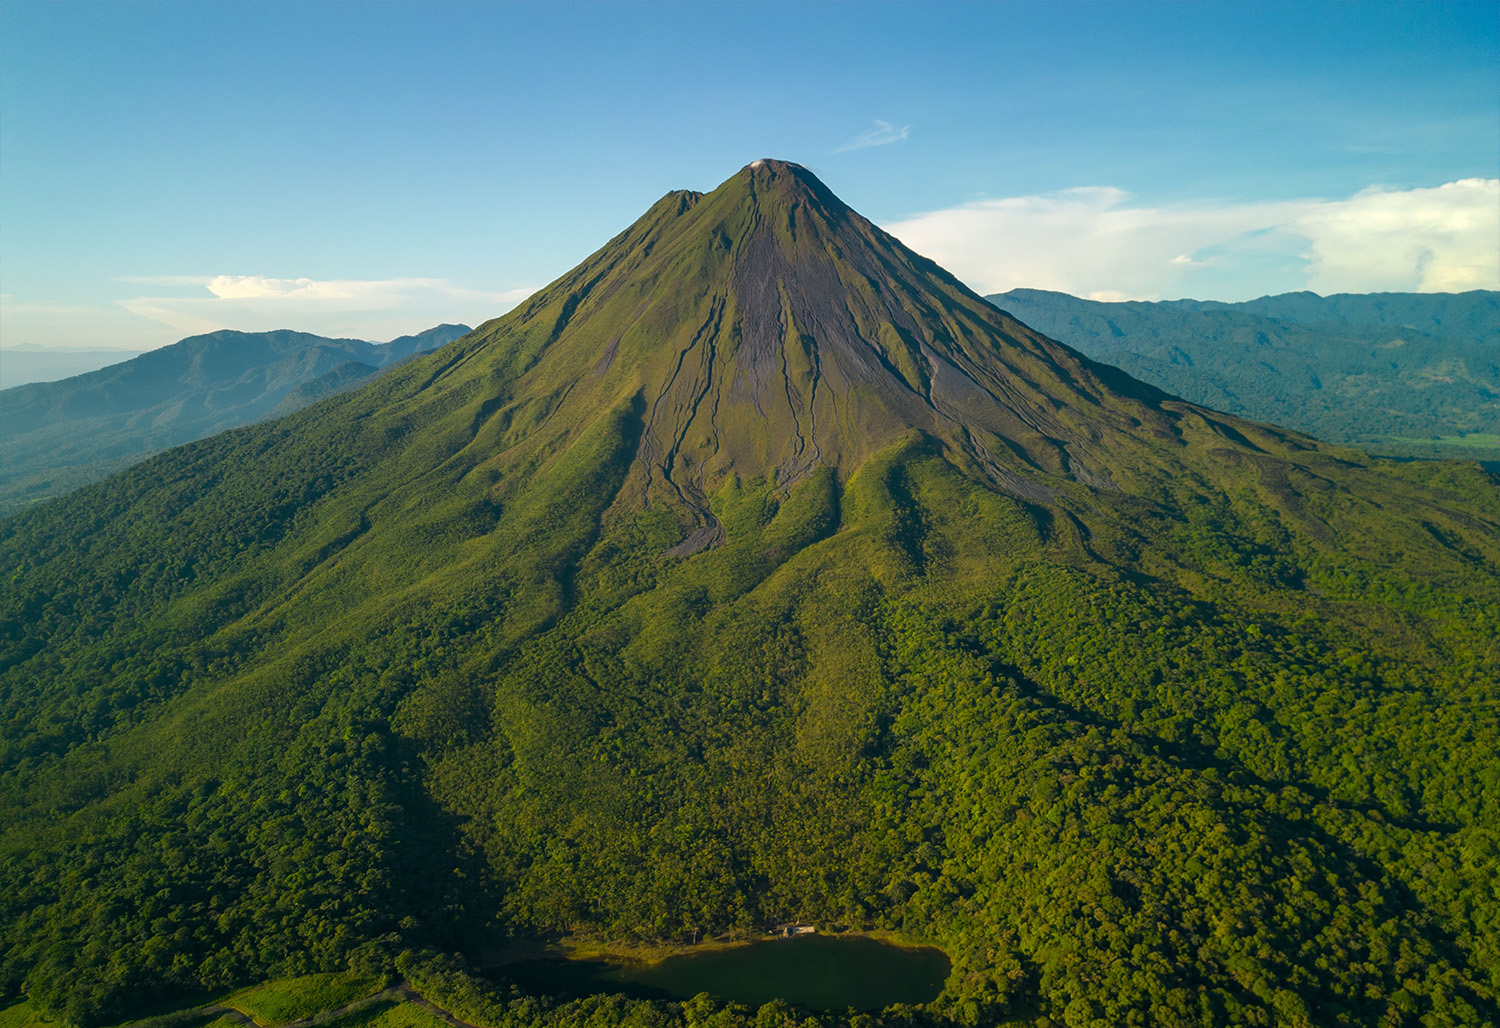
362,309
1445,239
1097,240
377,294
377,309
883,134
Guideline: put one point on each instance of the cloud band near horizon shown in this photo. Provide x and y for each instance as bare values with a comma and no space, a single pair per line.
1098,242
346,307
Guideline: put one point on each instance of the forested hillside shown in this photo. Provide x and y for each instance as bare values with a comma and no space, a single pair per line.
57,436
1409,374
757,571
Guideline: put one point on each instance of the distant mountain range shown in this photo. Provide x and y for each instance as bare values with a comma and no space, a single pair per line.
24,365
57,436
1406,374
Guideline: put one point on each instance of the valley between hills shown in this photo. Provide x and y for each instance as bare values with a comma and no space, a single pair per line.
755,572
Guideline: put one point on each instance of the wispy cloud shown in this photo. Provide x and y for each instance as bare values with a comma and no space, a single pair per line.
164,280
74,326
883,134
1099,241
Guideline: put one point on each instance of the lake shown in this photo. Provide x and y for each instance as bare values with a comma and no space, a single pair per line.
820,972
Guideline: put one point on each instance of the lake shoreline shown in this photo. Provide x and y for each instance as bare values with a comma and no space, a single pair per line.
818,970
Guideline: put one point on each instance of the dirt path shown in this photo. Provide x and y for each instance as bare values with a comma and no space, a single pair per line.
215,1010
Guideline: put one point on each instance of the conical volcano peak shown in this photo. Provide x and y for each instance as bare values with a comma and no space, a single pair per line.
774,180
766,330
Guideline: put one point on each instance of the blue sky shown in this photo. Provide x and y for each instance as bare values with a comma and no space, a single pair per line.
372,168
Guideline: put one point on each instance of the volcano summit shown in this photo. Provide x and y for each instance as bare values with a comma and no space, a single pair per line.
757,571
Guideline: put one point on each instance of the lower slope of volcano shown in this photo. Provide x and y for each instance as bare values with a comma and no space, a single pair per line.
757,571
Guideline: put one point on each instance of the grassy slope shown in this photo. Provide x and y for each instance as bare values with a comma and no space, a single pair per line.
318,999
295,999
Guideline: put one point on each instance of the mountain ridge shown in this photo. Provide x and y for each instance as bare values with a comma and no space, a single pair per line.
1408,374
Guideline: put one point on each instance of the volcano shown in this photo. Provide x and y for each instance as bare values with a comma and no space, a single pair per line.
756,572
768,330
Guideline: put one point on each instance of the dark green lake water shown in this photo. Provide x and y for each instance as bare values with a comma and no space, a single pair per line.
820,972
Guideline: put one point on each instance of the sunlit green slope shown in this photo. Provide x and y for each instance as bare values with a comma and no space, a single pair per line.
757,570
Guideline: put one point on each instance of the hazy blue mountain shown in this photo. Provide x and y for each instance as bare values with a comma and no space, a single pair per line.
1404,373
1471,315
57,436
24,365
